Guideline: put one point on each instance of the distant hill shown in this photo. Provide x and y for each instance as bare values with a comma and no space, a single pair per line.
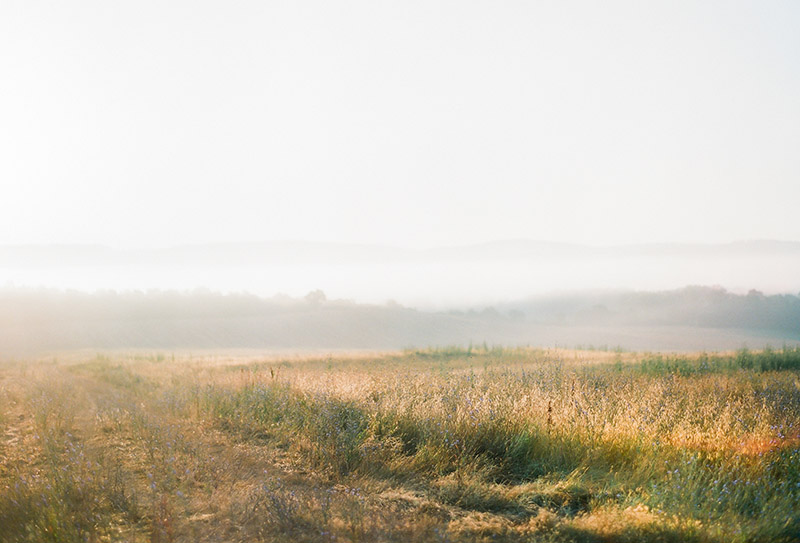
710,307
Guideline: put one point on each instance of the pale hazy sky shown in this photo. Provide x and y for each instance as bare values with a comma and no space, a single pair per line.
152,123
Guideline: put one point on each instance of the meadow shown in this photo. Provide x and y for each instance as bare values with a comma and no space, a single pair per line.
457,444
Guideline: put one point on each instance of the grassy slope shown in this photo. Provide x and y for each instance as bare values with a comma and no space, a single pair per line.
438,445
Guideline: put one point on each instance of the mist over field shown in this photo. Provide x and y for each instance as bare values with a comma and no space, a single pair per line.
444,172
327,296
443,278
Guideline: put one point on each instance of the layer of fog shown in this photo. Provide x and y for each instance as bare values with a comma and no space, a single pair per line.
37,321
447,278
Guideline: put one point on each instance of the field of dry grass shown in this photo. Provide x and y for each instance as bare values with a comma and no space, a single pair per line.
437,445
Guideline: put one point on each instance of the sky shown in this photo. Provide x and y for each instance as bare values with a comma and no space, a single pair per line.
409,123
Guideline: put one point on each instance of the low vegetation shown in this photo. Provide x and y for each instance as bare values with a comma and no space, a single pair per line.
459,444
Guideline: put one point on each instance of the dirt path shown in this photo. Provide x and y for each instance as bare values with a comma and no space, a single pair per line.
174,476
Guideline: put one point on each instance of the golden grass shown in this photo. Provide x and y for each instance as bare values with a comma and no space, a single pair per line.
439,445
